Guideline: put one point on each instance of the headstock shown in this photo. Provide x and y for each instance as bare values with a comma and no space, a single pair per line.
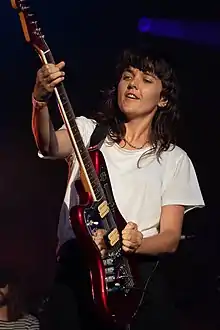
31,29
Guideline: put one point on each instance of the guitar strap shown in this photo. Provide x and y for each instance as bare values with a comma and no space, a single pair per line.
98,136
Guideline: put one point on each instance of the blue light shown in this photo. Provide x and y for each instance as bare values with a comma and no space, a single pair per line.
144,24
198,32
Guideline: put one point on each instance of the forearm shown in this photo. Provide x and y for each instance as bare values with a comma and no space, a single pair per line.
165,242
43,130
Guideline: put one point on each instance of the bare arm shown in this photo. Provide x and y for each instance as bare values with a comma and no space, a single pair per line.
50,142
166,241
170,232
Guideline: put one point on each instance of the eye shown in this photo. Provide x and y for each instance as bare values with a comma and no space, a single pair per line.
147,80
127,76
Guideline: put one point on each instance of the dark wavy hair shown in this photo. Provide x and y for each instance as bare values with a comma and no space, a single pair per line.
14,299
163,126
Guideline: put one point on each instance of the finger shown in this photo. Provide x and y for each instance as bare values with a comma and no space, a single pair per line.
100,236
127,250
129,233
140,236
103,253
100,245
126,235
131,225
54,76
47,69
133,237
101,231
50,68
55,82
99,241
128,244
101,248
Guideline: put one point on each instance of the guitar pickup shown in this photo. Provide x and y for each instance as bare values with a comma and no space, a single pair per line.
112,237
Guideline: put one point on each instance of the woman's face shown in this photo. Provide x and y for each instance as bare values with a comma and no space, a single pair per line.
139,93
3,294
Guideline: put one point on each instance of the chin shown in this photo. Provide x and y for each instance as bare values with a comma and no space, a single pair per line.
129,112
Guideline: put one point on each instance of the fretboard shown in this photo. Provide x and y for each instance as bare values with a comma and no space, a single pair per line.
79,147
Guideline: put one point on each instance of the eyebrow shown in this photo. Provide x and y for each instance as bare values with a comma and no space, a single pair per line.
129,70
144,72
150,74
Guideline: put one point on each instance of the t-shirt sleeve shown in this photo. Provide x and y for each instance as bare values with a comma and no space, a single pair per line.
35,324
86,127
181,186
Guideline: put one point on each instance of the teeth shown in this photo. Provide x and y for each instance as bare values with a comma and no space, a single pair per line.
131,96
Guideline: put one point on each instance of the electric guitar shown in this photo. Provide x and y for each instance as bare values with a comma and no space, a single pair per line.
115,284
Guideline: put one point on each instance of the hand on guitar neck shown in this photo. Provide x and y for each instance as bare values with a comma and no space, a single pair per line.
50,142
48,77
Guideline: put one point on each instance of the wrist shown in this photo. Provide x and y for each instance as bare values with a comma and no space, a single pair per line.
41,95
38,104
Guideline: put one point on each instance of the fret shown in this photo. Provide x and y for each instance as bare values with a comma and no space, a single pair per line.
70,120
49,56
84,153
64,103
88,167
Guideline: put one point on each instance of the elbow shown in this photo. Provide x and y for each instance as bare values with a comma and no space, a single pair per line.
47,152
43,148
171,240
172,249
173,246
44,152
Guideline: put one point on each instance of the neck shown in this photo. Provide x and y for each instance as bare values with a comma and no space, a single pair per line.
138,130
4,313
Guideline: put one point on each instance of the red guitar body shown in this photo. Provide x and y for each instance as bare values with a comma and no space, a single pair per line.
117,306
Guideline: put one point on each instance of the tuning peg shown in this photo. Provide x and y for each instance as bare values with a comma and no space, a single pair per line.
25,8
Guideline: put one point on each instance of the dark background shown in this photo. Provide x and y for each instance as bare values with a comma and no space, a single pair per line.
88,36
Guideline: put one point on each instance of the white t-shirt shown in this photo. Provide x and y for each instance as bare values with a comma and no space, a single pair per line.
139,192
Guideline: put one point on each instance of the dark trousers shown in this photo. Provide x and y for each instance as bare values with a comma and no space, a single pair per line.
70,303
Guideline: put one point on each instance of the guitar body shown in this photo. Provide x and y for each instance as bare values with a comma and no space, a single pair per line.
117,306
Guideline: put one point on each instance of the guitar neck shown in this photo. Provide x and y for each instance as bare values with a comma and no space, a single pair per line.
89,174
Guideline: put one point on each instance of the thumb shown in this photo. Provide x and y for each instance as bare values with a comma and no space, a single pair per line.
132,225
60,65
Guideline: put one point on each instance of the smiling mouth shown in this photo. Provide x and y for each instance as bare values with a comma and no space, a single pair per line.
131,96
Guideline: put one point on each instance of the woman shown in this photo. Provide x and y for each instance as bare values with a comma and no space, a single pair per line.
13,313
153,181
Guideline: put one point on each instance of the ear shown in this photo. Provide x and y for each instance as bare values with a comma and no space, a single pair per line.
162,103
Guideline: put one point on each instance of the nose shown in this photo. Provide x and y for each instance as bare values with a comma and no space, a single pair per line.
133,84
